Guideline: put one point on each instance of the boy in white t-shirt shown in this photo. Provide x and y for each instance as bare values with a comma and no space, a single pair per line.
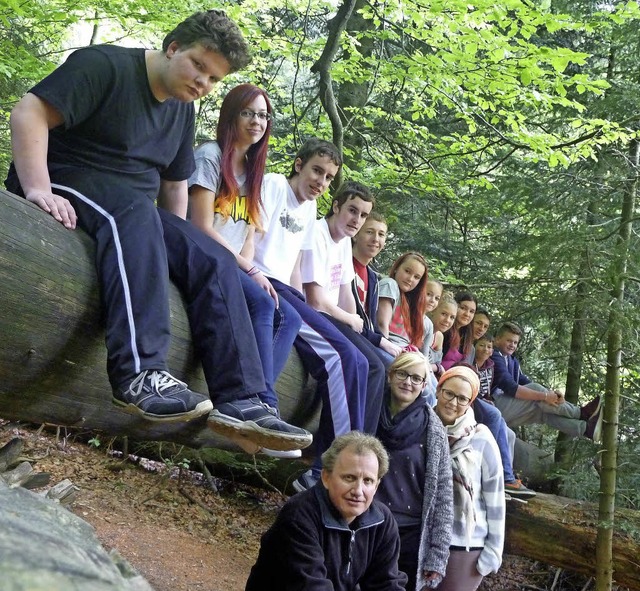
327,272
339,368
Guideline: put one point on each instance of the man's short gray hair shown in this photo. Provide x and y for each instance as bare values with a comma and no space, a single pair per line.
360,444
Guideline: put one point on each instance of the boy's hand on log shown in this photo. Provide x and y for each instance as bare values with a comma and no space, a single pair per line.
59,207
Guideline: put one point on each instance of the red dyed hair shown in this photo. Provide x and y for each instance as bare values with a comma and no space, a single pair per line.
413,304
236,100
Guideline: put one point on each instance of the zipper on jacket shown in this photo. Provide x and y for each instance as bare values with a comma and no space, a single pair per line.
353,539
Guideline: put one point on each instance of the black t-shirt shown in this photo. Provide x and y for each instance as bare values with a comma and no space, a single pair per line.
112,121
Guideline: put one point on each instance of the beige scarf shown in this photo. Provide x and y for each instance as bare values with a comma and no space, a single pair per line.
463,458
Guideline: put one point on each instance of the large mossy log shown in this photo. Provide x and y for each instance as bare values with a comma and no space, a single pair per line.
562,532
52,353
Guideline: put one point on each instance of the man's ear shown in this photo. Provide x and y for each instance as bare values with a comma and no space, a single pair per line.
297,165
324,475
174,46
335,207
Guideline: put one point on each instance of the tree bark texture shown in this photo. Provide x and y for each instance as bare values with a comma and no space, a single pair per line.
562,532
604,552
52,351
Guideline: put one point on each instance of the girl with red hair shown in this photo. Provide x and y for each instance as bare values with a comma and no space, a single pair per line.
225,202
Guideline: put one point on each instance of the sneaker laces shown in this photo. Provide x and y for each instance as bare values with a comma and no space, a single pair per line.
271,410
159,381
163,380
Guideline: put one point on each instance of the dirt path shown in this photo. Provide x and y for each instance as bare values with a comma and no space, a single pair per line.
181,535
178,532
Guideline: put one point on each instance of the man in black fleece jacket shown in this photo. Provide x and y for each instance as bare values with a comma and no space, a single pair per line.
335,536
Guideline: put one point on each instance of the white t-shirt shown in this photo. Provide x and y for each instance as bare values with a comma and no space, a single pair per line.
287,228
235,227
327,263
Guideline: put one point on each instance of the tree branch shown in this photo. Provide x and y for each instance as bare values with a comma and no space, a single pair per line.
323,67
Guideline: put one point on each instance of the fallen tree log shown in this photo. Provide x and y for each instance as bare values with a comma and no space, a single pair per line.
52,352
52,370
562,532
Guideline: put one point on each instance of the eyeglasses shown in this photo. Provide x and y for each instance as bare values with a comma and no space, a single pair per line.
448,395
402,375
249,114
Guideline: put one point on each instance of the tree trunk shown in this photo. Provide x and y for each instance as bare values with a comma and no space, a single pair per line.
606,518
52,352
576,349
352,95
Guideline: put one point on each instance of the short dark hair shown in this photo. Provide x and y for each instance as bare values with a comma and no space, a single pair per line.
486,337
509,327
351,190
361,444
315,147
484,312
215,31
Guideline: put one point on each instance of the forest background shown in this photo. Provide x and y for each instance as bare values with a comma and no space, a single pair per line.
501,141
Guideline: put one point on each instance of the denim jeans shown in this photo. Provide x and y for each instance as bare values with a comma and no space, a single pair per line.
275,330
490,416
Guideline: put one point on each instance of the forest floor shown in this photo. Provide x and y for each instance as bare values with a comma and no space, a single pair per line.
180,533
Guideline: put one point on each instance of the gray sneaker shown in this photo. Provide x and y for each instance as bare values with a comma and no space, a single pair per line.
305,481
516,489
158,396
251,419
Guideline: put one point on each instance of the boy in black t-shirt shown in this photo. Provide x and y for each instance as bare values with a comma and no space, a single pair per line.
95,144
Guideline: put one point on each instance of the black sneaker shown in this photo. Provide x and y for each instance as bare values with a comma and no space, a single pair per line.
594,427
590,409
305,481
157,396
518,490
252,419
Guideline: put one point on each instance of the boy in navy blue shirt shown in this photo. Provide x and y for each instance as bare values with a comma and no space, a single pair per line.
524,402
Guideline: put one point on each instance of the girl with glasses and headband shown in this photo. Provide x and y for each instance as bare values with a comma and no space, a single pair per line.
478,488
418,489
225,202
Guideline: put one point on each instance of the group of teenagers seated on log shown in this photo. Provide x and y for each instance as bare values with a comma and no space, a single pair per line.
105,142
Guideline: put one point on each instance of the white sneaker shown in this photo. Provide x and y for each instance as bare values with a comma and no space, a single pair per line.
251,448
274,453
246,445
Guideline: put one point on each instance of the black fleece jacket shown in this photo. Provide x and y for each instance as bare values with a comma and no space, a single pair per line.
310,547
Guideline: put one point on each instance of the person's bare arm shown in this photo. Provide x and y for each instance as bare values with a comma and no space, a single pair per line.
346,299
296,274
174,197
318,299
202,214
391,348
30,122
385,312
248,248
